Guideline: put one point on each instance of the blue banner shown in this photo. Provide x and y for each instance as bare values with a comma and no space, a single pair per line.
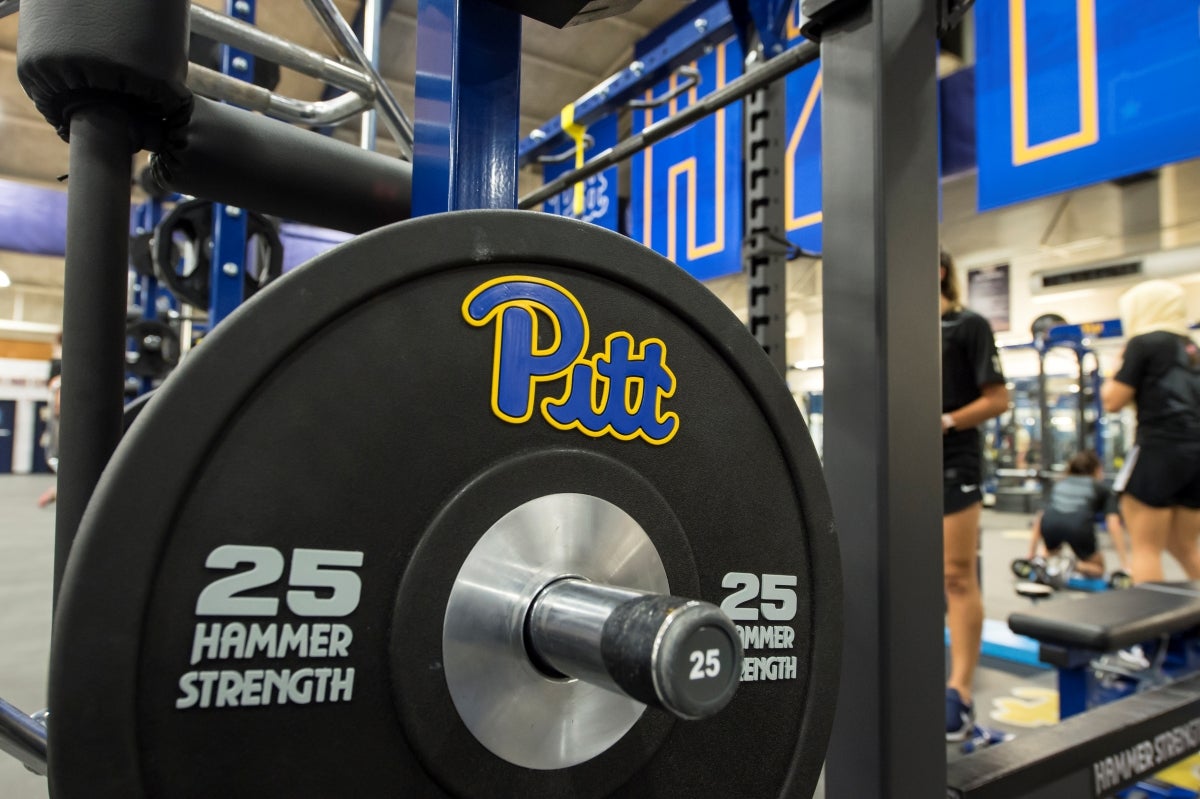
302,243
1073,92
33,219
599,191
956,103
689,230
802,170
686,191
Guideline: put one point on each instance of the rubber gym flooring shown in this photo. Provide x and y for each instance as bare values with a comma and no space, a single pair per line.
1008,697
26,557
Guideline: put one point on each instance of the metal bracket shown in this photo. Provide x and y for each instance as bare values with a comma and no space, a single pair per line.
951,13
691,79
822,14
771,244
566,155
761,22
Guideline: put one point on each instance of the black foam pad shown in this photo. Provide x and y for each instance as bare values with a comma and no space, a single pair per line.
133,53
229,155
1113,620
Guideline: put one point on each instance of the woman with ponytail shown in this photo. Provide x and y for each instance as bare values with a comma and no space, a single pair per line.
1160,480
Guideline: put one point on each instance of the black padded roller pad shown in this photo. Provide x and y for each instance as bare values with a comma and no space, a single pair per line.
1113,620
233,156
132,52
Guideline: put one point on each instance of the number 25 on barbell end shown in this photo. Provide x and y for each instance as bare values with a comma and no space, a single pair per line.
705,664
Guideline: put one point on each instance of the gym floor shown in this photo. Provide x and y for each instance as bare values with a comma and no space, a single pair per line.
26,560
1008,697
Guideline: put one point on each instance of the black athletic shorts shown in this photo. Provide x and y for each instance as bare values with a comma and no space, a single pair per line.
962,472
1162,475
1058,530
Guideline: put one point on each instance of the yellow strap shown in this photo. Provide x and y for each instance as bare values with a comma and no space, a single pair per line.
578,133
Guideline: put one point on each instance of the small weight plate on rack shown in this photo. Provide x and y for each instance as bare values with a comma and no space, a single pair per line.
183,244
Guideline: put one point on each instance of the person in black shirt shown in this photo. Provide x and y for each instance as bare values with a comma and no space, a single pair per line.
973,391
1160,481
1070,517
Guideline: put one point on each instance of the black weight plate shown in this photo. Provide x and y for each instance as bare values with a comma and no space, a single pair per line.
140,257
182,252
154,348
133,409
1042,326
348,408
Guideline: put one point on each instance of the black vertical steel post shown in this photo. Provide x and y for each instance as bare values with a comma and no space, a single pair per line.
1082,437
764,251
93,359
883,395
1046,442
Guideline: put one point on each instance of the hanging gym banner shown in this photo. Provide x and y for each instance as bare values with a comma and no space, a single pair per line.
652,219
686,192
1080,91
688,206
802,165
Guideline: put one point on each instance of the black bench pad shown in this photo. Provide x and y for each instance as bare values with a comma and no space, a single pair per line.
1112,620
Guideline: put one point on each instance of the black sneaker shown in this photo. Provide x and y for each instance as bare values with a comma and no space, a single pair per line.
1032,569
1120,580
960,717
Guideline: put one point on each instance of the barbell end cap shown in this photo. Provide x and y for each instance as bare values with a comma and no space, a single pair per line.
696,655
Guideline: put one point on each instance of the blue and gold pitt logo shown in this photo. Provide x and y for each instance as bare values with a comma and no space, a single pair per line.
616,392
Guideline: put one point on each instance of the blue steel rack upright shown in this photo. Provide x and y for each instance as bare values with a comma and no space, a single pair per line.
468,91
229,222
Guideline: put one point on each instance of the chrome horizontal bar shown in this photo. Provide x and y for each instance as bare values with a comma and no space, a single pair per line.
23,737
213,84
228,30
385,102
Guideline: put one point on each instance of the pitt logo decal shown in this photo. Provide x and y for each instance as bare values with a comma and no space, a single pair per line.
616,392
